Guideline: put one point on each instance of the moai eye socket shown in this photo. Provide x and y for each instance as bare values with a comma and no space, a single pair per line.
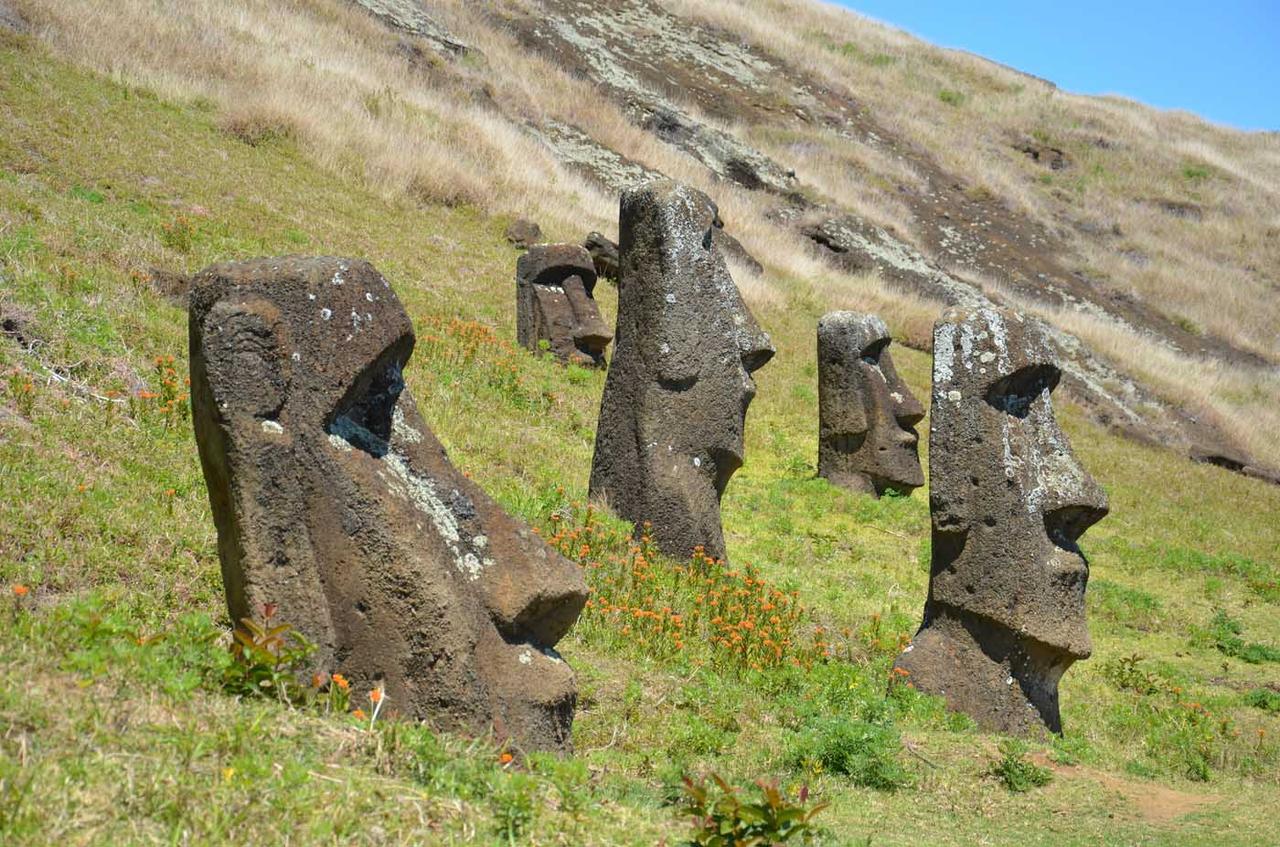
872,352
1016,392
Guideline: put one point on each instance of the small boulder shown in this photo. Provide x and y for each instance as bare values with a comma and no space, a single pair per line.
604,255
523,233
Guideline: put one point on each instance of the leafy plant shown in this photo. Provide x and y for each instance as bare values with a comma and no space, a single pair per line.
722,819
1124,673
1265,699
267,659
1227,635
867,753
1017,772
951,97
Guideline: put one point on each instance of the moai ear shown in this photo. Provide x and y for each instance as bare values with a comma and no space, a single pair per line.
246,367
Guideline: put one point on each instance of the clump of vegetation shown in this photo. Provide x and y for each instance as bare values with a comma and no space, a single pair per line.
1227,635
665,607
1265,699
722,819
951,97
1018,773
867,753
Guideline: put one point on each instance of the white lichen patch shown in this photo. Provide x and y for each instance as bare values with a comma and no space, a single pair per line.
272,428
400,427
340,443
526,656
421,493
326,313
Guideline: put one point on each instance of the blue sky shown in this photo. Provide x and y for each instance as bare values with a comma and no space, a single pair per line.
1220,60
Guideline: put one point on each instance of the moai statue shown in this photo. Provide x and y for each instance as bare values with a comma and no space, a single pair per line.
866,414
1005,615
675,403
334,502
554,284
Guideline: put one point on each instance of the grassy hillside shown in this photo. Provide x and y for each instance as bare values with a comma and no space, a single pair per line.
115,725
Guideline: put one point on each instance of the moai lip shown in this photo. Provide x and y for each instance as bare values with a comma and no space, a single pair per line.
675,402
555,307
1005,615
334,501
866,414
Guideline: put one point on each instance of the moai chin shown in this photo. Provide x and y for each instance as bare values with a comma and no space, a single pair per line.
675,402
333,501
554,304
1005,615
866,414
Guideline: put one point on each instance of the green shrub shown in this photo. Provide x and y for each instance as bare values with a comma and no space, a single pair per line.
1265,699
1018,773
1227,635
867,753
951,97
726,821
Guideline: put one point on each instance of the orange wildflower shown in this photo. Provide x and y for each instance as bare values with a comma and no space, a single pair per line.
341,681
505,759
375,696
21,590
359,714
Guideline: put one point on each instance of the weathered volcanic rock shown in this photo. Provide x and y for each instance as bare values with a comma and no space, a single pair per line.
554,284
334,501
675,402
604,255
1005,616
866,414
523,233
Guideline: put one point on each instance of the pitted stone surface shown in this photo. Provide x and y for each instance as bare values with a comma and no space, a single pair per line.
334,501
671,421
1005,616
554,304
866,414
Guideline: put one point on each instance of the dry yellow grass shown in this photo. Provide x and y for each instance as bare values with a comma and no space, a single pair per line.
328,76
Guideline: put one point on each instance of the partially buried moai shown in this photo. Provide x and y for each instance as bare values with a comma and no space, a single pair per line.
675,403
866,414
334,502
555,307
1005,615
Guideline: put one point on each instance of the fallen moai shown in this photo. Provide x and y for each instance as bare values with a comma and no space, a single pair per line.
555,307
1005,615
334,502
671,424
866,414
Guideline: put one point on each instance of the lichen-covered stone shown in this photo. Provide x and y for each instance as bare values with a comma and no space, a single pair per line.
555,307
334,501
671,421
866,414
1005,616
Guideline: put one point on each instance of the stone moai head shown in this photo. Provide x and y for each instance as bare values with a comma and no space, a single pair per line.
675,403
1005,615
554,284
334,502
866,414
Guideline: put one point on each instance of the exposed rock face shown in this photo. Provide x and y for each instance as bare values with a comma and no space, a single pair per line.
1005,616
554,284
523,233
333,500
408,15
604,255
866,414
675,402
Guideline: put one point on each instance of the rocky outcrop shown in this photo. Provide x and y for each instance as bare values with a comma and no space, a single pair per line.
670,434
409,16
336,504
523,233
1005,615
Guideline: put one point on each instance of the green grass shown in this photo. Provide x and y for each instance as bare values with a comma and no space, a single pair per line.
115,725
